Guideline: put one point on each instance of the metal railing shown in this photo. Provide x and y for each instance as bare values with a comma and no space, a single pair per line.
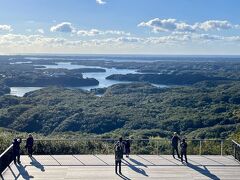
6,158
152,146
236,150
138,146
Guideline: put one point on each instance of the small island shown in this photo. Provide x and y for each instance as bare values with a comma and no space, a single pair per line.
168,79
50,77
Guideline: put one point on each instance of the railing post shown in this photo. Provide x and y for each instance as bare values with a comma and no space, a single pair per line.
234,150
200,147
221,147
157,147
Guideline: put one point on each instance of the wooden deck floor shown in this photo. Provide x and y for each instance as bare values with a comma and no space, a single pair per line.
59,167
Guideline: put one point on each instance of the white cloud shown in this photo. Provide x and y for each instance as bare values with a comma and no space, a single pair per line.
95,32
68,28
178,38
92,32
160,24
168,39
172,25
214,25
100,2
208,37
129,39
116,32
65,27
30,40
5,28
41,31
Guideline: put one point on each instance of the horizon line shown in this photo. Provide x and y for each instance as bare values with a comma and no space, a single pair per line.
114,54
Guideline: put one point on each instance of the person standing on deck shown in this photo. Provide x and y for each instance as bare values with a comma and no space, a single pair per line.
127,147
119,147
16,150
175,140
29,145
183,146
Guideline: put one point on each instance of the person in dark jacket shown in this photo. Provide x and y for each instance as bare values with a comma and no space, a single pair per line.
183,146
119,147
175,140
29,145
127,147
16,150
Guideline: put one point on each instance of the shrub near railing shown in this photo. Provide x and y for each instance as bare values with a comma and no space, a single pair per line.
82,146
138,146
4,143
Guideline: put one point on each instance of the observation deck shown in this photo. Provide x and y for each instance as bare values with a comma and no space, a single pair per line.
59,167
138,166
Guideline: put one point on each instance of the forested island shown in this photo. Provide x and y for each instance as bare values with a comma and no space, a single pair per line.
168,79
30,75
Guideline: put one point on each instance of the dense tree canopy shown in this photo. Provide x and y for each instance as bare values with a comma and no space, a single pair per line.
199,112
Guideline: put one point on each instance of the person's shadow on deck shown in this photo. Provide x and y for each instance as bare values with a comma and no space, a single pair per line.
137,162
37,164
23,172
204,171
134,168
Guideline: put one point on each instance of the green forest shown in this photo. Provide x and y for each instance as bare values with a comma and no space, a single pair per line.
137,109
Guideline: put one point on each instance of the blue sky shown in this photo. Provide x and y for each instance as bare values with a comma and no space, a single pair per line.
120,26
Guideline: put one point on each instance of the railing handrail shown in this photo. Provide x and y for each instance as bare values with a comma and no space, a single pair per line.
236,143
111,139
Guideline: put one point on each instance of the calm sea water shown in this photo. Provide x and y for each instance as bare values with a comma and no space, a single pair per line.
100,76
20,91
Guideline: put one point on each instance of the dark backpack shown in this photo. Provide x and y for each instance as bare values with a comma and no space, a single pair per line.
119,151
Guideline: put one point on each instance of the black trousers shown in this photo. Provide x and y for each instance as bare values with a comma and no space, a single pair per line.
127,151
118,163
30,150
175,148
184,153
16,157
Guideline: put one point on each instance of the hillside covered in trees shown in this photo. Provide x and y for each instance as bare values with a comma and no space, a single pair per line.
134,109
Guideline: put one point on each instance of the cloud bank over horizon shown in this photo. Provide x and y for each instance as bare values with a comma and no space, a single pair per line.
164,33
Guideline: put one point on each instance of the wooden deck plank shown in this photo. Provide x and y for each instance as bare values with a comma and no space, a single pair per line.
66,167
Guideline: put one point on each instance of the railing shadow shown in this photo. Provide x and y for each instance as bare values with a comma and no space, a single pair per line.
204,171
23,172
